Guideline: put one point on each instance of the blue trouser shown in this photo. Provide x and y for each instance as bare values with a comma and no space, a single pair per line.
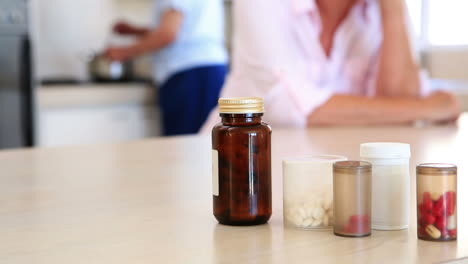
188,97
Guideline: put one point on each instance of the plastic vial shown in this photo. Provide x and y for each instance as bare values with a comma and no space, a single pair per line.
352,196
437,201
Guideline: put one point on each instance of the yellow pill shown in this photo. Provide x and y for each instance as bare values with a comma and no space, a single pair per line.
435,196
433,231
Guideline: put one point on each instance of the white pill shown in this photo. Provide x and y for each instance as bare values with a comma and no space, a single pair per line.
297,220
451,222
316,222
318,213
309,211
307,222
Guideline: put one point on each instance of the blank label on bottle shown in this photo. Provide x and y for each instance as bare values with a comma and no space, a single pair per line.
215,173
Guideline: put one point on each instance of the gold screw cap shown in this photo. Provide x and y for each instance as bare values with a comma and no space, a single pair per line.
241,105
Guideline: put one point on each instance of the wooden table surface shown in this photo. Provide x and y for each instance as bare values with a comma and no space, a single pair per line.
150,202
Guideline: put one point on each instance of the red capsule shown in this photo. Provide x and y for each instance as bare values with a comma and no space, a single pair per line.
427,201
450,202
423,210
441,223
359,219
453,232
349,229
358,224
429,219
439,207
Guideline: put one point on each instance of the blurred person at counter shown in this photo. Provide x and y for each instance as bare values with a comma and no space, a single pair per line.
190,59
331,62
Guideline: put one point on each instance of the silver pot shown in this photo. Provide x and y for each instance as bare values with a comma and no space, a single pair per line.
102,69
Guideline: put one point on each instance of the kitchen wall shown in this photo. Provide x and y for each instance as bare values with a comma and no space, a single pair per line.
449,63
137,11
67,31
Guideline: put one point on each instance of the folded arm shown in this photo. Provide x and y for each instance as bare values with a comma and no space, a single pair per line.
359,110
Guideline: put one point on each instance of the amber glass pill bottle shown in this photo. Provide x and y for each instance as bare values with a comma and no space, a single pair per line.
241,163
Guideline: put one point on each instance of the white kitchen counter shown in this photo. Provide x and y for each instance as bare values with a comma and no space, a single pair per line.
95,94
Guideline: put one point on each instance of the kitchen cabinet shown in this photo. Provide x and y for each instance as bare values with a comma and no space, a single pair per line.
96,114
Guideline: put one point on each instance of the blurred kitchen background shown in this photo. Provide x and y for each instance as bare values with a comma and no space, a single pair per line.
68,105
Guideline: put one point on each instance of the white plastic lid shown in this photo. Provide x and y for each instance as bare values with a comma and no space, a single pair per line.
386,150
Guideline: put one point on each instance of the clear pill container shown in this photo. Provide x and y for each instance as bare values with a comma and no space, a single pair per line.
308,192
390,184
352,198
437,201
